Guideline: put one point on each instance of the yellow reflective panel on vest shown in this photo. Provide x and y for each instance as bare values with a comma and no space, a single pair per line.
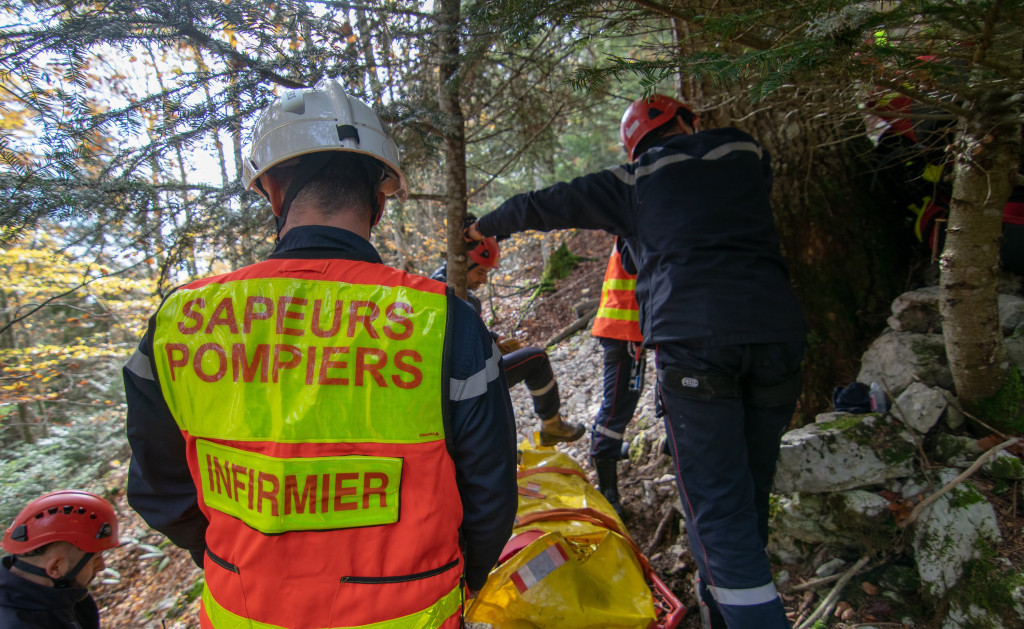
619,284
433,616
275,495
619,314
296,360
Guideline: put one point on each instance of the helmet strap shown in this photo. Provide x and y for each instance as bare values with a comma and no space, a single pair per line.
63,582
311,165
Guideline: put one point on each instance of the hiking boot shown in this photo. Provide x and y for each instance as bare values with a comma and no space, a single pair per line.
608,483
557,430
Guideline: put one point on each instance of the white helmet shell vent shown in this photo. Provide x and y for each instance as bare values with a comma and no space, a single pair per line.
323,118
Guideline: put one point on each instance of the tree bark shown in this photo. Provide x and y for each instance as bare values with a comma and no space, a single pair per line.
449,93
985,171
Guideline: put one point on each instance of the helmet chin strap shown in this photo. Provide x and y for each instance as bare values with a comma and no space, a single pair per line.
311,165
61,583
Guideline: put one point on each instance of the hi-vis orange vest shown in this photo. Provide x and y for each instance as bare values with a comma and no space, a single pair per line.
310,396
618,316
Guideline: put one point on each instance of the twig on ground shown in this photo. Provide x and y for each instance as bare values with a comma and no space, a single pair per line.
956,481
660,531
813,583
830,601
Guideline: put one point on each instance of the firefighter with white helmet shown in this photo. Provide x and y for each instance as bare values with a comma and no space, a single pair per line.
328,436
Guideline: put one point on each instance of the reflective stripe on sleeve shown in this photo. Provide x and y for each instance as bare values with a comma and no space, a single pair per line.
541,391
607,432
139,365
715,153
749,596
476,385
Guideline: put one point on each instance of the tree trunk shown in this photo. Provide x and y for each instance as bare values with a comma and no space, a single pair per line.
449,90
847,251
985,171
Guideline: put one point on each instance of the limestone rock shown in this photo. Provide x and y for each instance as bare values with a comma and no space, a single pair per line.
896,359
947,534
856,451
917,311
1011,313
921,406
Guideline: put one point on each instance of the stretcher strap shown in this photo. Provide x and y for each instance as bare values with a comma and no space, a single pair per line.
593,516
551,470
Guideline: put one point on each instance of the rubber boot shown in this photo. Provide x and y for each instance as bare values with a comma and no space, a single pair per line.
556,430
608,483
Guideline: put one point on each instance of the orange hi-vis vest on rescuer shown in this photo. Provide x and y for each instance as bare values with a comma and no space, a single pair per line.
618,316
312,396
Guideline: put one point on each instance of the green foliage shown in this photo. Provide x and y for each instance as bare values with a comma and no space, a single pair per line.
1005,409
989,583
560,264
75,456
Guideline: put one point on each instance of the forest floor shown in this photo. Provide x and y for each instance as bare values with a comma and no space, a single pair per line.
159,586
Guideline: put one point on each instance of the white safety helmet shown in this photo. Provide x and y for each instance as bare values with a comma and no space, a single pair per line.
323,118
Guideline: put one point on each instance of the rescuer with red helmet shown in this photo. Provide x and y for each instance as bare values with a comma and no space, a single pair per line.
56,546
330,437
693,209
529,365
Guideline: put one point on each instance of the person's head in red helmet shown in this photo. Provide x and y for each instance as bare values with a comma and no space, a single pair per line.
483,258
648,119
59,539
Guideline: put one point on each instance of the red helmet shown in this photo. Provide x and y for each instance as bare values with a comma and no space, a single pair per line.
78,517
486,253
647,114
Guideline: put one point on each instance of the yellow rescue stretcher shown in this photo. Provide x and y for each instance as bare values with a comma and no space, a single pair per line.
570,563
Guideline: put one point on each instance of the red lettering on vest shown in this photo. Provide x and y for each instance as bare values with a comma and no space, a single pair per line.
236,484
335,320
325,492
179,349
394,317
284,313
341,490
268,485
293,497
310,365
327,362
252,492
223,314
364,365
222,474
400,362
370,488
355,318
295,357
241,366
189,313
222,362
252,314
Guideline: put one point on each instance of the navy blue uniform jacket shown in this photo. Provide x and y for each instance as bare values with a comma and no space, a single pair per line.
694,211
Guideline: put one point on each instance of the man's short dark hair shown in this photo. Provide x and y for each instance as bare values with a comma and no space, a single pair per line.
348,180
657,133
35,552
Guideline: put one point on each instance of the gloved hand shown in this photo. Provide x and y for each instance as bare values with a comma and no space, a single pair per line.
508,345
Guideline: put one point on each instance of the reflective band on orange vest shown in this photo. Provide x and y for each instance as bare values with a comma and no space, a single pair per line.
275,495
433,616
618,316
